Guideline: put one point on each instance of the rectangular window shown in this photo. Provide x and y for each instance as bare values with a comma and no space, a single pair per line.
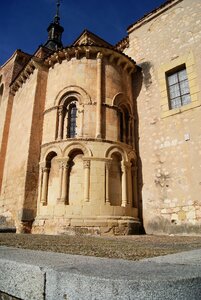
178,88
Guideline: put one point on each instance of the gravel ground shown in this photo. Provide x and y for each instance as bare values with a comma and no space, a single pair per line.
126,247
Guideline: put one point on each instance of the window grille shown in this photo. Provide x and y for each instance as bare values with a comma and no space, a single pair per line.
72,115
178,89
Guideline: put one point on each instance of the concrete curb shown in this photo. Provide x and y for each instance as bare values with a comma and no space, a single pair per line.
38,275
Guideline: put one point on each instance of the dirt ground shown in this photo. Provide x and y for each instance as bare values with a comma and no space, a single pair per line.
126,247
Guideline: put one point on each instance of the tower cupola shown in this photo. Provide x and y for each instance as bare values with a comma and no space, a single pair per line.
55,31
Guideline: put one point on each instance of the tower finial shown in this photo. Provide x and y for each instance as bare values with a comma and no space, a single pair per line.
57,17
55,31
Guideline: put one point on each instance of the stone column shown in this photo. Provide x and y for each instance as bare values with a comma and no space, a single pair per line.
60,178
133,132
81,121
44,191
129,183
99,95
124,184
129,131
60,125
86,179
64,190
107,182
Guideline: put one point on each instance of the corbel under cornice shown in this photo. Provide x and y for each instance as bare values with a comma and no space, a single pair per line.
91,52
34,63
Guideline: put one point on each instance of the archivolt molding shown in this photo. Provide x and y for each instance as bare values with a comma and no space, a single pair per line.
34,63
120,99
116,149
55,149
77,145
73,91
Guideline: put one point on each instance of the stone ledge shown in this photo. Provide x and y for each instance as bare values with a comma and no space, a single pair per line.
100,225
37,275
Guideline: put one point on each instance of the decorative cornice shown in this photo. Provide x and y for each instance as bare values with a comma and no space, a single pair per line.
33,64
123,44
77,52
93,52
84,139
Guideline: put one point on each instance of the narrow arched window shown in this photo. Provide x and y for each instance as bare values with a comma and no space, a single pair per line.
67,119
1,93
123,116
121,126
72,117
126,122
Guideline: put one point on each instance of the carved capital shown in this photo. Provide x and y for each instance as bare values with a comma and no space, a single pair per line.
45,169
60,109
64,164
86,164
123,167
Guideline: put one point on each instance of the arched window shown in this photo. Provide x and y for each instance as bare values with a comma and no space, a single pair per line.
121,126
67,119
123,116
1,93
72,116
75,177
48,178
115,180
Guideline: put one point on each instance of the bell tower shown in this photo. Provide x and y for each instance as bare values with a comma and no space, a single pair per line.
55,31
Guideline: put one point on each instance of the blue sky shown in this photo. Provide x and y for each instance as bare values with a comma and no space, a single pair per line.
23,23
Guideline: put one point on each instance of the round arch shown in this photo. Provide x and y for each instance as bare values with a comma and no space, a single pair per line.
79,146
121,100
116,149
72,91
50,149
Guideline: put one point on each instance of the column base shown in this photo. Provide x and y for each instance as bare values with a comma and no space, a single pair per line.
61,201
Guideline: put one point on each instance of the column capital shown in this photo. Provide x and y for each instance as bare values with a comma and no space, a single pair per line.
60,109
65,164
124,165
45,169
86,164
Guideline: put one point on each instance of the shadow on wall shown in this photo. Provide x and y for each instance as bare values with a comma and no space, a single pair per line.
137,86
146,67
7,225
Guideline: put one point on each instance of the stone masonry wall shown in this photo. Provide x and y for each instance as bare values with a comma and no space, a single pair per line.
170,140
13,186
